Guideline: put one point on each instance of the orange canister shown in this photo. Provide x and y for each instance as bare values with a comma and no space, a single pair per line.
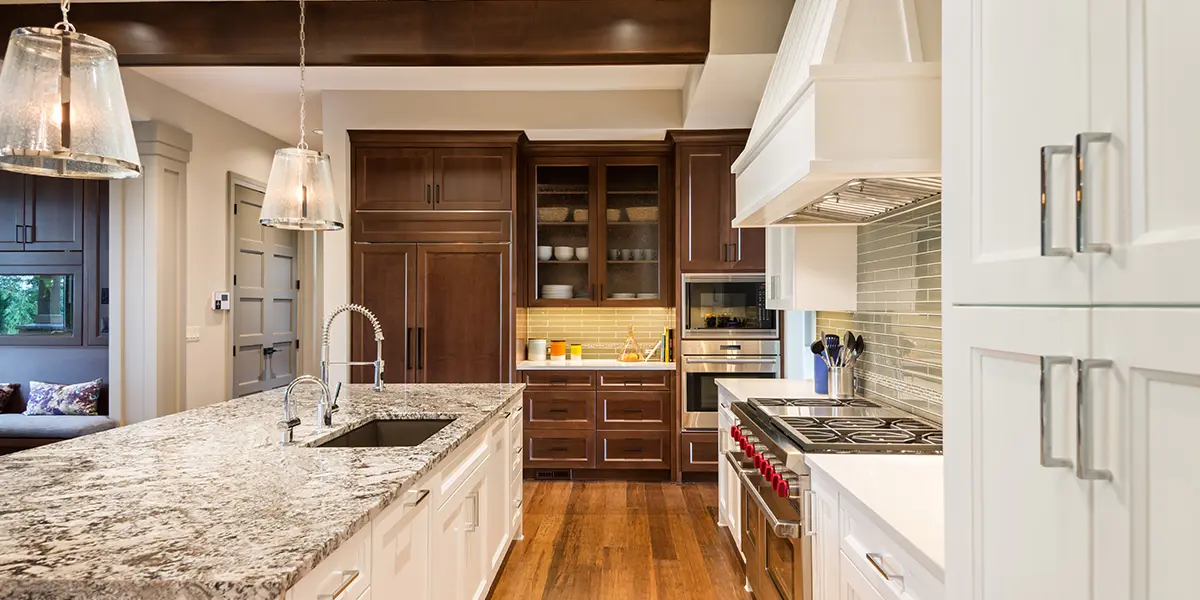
558,350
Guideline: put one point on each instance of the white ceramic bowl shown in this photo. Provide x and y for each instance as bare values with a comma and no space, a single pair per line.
564,252
581,253
544,252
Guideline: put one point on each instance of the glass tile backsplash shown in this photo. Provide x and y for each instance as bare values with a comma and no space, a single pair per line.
899,310
600,330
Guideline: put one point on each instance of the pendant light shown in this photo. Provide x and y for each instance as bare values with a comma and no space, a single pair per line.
62,106
300,189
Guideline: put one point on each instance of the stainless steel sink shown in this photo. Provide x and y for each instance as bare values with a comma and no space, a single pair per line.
385,433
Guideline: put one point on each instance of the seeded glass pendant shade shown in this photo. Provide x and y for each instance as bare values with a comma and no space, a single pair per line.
62,107
300,192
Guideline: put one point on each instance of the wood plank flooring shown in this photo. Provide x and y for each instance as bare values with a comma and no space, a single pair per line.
617,540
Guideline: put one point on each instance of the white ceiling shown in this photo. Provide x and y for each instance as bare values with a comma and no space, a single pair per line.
268,97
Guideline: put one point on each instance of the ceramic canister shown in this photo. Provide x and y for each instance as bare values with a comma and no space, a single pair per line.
558,350
535,350
576,351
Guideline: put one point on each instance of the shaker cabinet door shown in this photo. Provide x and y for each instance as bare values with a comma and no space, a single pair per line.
54,213
12,211
1012,109
1143,409
473,179
704,214
1014,503
464,313
400,548
1141,200
393,179
385,281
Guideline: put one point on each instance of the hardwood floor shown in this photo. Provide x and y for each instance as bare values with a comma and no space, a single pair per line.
616,540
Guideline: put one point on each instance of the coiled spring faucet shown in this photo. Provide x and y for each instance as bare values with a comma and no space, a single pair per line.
378,362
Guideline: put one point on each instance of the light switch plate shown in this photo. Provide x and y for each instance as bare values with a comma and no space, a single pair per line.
193,333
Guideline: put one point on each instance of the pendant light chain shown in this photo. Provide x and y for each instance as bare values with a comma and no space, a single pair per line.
65,24
303,145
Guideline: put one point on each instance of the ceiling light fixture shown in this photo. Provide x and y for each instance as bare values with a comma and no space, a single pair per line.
62,106
300,188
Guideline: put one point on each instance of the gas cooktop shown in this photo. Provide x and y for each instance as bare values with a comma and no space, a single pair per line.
850,425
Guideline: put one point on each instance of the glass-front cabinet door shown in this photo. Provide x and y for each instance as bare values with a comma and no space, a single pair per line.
632,194
564,269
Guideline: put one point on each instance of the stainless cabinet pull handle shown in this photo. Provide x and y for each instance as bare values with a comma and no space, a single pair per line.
806,512
428,194
474,524
29,234
1048,249
1048,459
419,495
1082,222
876,561
20,239
348,578
518,503
1084,444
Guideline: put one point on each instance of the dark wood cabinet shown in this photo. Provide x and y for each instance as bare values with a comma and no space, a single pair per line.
42,213
473,179
560,410
464,312
707,200
559,449
393,179
446,310
633,450
699,451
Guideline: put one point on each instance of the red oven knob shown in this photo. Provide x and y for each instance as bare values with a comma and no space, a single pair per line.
769,472
784,489
775,480
749,448
758,461
736,432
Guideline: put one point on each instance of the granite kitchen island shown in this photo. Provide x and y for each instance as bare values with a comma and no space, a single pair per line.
207,504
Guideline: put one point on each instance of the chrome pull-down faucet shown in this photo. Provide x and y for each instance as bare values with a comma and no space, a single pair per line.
377,363
290,420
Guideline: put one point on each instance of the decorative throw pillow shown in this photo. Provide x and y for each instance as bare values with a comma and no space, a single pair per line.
7,391
57,399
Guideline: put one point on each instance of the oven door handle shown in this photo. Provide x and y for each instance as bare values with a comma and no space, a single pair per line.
731,361
784,528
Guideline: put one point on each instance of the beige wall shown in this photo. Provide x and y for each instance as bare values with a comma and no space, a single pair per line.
543,115
220,144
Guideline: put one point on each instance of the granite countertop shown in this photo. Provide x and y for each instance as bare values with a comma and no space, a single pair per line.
205,504
593,364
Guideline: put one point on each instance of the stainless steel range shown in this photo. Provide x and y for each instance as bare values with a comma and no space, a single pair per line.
773,435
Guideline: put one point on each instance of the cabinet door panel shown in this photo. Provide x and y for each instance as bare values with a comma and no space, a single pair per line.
54,213
704,193
12,211
1145,410
853,585
400,548
449,549
1149,214
1005,99
473,179
393,179
1006,513
465,295
497,498
385,280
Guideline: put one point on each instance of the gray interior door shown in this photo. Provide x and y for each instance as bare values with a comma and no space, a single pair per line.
264,297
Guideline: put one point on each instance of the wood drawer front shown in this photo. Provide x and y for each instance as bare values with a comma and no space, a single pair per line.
560,380
345,574
633,449
560,449
860,536
699,451
441,226
637,380
633,410
560,410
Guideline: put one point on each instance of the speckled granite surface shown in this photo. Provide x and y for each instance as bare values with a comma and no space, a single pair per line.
205,504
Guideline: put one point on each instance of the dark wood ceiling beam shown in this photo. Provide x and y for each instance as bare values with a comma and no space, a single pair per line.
390,33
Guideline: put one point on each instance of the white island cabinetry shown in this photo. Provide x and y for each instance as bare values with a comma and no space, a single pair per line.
445,538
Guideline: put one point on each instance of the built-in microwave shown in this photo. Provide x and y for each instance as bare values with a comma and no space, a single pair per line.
727,306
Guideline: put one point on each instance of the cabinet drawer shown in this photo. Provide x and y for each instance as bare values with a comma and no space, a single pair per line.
639,380
633,410
869,549
559,449
560,410
634,449
559,380
344,574
429,226
698,451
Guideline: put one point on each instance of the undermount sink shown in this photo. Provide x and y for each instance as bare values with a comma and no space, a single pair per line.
385,433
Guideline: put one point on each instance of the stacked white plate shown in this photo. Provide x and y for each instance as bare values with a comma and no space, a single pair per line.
623,296
648,296
557,292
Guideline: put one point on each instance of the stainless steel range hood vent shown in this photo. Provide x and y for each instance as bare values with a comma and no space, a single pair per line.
862,201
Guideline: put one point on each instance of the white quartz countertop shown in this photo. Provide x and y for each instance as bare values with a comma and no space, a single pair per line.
593,364
743,389
903,491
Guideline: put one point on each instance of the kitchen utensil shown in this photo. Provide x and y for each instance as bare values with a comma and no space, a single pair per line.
581,253
564,252
848,345
613,214
841,383
614,255
627,254
639,254
544,252
535,350
553,214
818,348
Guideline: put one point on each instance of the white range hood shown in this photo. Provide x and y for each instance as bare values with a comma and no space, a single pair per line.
849,128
